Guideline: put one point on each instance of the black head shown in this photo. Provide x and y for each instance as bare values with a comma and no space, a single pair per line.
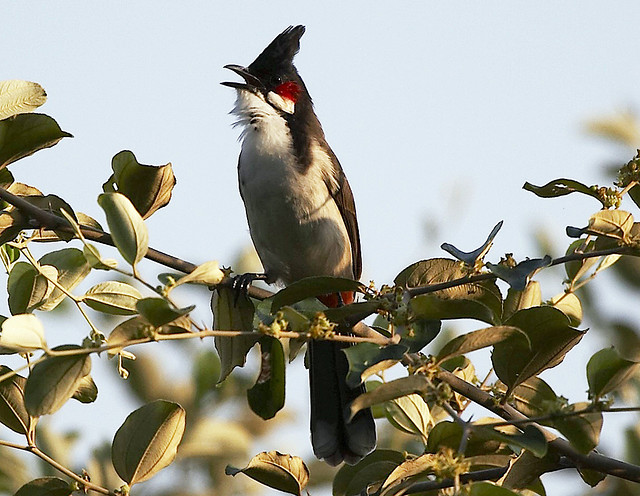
273,69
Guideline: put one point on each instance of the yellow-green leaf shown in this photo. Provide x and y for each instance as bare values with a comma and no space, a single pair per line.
127,228
147,441
279,471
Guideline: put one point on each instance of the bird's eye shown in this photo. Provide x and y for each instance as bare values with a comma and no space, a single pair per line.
275,81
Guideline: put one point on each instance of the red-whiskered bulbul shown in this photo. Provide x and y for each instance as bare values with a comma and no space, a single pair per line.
302,220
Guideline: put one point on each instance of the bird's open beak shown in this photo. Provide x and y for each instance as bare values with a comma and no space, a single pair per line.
251,83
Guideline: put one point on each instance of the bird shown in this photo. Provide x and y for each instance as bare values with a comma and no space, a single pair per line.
302,221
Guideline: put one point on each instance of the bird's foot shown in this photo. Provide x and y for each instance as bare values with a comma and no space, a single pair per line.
241,283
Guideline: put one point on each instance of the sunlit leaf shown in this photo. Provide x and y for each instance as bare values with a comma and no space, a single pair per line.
408,472
410,414
530,296
113,297
20,97
208,273
279,471
568,304
127,228
22,333
72,267
389,391
147,441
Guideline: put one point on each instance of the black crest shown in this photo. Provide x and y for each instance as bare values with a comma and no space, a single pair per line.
278,56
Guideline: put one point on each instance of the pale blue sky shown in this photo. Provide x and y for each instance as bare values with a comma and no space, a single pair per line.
438,111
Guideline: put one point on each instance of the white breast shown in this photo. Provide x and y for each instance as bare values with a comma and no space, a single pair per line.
294,222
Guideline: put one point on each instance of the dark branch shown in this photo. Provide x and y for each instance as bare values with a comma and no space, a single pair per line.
594,461
51,221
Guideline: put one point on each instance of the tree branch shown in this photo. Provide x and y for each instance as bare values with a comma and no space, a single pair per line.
594,461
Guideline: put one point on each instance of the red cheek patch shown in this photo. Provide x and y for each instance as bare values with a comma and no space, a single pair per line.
288,90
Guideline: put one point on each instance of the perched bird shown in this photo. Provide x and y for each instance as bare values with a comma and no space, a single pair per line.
302,220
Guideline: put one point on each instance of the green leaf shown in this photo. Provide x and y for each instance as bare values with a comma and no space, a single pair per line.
25,134
133,328
159,311
389,391
606,370
113,297
92,254
534,398
477,340
568,304
147,441
472,257
611,223
531,438
20,97
87,391
367,359
45,486
419,333
27,289
266,397
345,312
530,296
408,472
481,300
54,205
561,187
312,286
591,477
230,315
285,473
527,468
13,413
54,381
127,228
582,431
375,467
551,338
148,187
22,333
72,267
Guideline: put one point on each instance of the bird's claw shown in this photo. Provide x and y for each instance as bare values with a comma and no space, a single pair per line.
241,283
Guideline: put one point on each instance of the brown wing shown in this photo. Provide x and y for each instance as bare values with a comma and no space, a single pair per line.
343,197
